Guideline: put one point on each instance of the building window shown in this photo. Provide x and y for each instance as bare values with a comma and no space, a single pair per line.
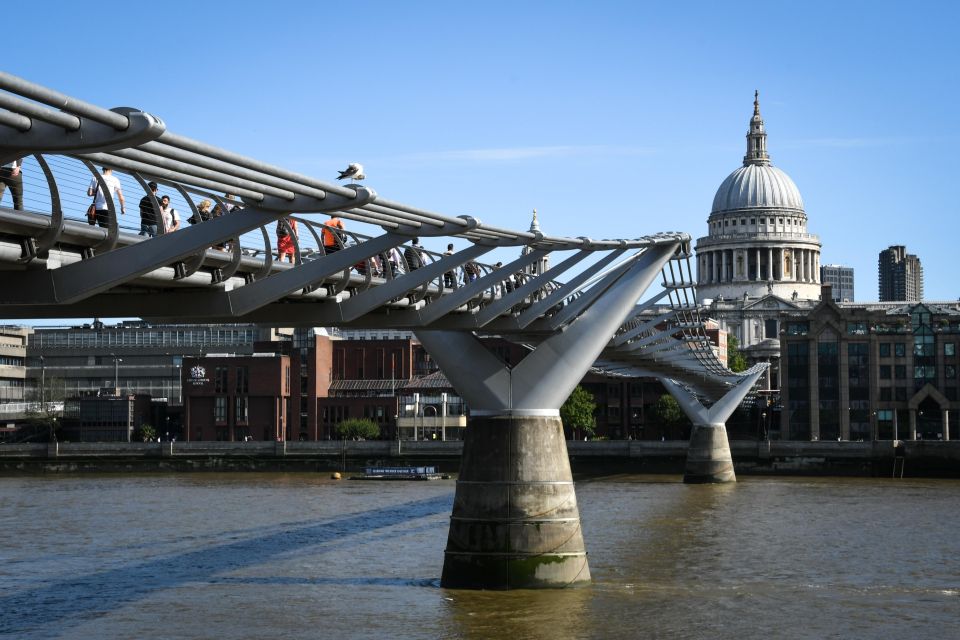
753,221
770,328
950,372
358,355
949,349
797,328
857,328
885,372
241,409
220,380
900,371
884,349
220,409
763,221
243,380
900,350
886,393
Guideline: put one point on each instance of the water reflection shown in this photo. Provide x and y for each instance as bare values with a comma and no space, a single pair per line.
525,613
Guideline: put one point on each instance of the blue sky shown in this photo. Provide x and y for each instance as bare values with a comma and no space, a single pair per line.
611,119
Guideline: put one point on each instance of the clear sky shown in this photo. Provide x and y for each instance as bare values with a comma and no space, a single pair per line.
611,119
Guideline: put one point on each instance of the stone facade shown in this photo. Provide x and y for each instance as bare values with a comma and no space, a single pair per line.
870,372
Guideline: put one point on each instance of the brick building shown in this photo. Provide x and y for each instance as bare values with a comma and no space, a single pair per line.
237,397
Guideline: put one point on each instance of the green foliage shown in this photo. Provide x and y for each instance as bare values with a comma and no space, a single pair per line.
577,411
358,429
667,410
42,418
735,360
147,433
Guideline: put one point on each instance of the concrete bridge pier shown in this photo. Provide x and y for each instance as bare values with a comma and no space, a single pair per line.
708,458
515,521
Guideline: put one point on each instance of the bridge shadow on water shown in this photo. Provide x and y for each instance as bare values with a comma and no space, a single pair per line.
37,611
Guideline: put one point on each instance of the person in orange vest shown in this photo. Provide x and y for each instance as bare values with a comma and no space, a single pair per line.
333,236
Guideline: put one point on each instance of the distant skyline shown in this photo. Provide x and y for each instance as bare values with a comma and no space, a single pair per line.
611,119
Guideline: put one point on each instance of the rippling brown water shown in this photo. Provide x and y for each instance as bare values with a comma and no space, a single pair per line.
299,556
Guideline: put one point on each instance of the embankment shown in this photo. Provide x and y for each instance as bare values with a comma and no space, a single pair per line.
920,458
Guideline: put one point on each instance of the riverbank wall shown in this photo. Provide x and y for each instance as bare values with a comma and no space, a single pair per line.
597,457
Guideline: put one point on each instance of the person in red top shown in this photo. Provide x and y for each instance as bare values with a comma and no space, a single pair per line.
285,240
330,241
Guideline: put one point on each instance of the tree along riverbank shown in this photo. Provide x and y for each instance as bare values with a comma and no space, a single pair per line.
878,458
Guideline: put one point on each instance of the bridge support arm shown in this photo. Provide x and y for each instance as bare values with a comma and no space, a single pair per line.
708,458
515,521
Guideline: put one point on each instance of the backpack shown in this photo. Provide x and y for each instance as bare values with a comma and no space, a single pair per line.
281,229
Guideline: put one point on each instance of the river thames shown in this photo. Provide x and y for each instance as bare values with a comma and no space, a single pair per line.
290,556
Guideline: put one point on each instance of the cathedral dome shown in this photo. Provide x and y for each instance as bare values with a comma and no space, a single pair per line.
755,186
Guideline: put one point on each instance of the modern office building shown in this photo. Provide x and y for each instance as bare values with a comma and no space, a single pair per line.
132,357
840,279
900,275
13,358
104,418
870,371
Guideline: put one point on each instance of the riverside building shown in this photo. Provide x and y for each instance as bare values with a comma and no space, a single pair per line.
878,371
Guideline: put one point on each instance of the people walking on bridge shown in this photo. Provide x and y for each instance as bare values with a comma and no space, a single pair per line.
333,236
414,256
228,206
285,235
102,214
203,212
11,175
171,217
393,258
450,277
148,212
471,271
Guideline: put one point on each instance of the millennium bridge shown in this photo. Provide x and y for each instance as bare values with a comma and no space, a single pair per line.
515,520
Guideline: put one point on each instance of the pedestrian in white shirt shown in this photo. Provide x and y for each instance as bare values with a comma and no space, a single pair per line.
171,218
102,218
11,175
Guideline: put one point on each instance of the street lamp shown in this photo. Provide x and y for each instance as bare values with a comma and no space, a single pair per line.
116,372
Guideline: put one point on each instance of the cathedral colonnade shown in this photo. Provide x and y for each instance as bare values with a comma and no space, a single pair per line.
759,264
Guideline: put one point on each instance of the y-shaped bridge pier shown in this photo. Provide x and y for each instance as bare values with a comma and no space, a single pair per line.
515,520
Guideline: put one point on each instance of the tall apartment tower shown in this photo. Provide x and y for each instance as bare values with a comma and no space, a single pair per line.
900,275
840,279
